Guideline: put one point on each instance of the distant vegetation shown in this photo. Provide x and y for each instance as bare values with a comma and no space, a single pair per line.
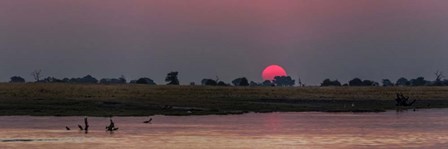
87,96
419,81
280,81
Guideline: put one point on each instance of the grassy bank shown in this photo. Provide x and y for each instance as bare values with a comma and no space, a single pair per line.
141,100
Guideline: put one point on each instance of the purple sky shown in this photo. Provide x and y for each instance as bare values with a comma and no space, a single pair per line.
313,39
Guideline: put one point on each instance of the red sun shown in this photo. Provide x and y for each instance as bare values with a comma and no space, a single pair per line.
272,71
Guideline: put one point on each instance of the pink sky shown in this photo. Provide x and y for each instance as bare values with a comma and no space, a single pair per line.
313,39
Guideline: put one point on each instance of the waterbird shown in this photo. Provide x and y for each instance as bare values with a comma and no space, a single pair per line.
67,128
86,123
80,127
148,121
111,126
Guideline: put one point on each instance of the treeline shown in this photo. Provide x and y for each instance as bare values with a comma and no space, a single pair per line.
171,79
88,79
419,81
278,81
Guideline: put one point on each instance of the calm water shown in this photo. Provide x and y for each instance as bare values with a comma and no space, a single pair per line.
421,129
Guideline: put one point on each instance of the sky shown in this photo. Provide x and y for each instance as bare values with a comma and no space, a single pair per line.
311,39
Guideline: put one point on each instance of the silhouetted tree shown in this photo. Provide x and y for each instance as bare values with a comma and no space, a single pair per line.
355,82
253,83
84,80
328,82
300,83
240,82
88,80
445,82
387,82
37,75
209,82
369,83
172,79
439,77
267,83
402,82
120,80
51,80
66,80
17,79
145,81
420,81
284,81
221,83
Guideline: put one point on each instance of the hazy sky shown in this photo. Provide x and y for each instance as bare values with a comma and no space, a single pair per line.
313,39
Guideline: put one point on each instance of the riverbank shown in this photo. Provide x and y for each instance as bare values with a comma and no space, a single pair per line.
143,100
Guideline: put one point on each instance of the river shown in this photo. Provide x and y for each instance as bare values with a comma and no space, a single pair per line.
409,129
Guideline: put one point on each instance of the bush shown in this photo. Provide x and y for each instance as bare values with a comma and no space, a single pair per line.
240,82
145,81
17,79
209,82
284,81
355,82
328,82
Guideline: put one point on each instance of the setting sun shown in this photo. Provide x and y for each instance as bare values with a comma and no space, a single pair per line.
270,72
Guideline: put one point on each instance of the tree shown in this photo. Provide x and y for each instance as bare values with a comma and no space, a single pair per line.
120,80
439,77
88,80
284,81
37,74
51,80
387,82
66,80
253,83
145,81
172,79
355,82
209,82
267,83
445,82
420,81
369,83
328,82
221,83
300,83
17,79
402,82
240,82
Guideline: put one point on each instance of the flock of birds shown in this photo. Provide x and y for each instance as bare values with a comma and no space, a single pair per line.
110,128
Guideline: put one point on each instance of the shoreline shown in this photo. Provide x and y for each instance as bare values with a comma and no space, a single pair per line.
144,100
229,114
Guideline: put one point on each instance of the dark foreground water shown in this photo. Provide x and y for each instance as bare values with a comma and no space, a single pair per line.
421,129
